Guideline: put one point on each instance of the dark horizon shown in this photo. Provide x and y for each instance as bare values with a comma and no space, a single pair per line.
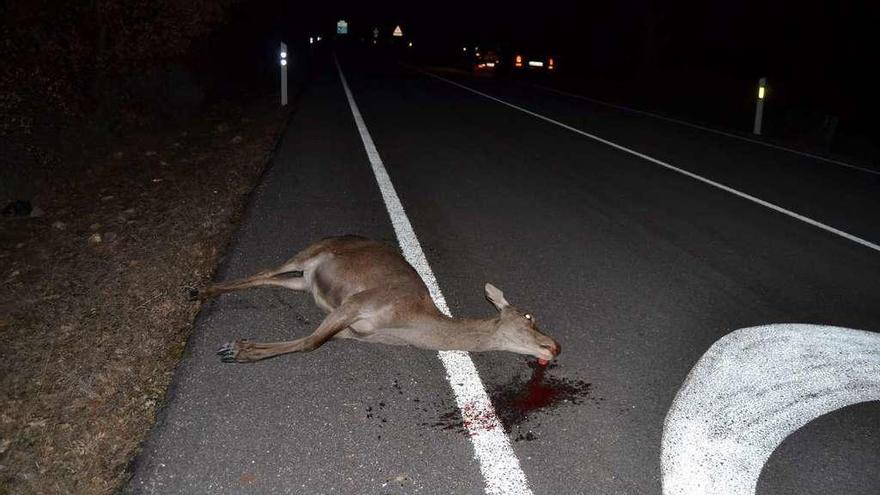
823,47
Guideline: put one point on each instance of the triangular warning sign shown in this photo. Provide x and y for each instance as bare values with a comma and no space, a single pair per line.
398,32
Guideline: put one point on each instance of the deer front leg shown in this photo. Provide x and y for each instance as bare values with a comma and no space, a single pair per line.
244,351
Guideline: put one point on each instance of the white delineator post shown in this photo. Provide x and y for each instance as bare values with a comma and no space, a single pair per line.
759,108
282,56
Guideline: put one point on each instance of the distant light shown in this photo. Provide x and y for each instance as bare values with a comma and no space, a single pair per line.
490,64
318,38
761,93
283,54
283,61
477,54
311,40
410,44
535,63
476,48
464,49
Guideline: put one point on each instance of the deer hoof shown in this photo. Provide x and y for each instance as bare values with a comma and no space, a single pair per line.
230,352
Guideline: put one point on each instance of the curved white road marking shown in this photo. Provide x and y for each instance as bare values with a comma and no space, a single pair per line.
498,462
767,204
752,389
708,129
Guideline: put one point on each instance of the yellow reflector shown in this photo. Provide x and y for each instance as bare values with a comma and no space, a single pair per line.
761,93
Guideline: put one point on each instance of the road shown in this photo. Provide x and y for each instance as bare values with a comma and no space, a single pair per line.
637,269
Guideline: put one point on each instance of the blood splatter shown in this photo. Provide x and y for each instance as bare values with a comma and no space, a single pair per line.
516,402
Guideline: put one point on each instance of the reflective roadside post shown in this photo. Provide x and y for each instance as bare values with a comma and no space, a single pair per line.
282,59
759,108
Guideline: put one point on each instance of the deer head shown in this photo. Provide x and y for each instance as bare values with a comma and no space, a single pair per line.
518,332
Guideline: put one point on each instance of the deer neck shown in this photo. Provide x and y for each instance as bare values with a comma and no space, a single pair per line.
440,332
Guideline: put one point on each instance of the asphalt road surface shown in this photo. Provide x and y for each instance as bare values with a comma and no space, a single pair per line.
637,269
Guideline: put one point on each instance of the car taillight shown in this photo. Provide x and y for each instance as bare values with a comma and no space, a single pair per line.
550,64
518,61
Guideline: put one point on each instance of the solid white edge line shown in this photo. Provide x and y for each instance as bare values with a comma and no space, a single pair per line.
493,451
709,129
692,175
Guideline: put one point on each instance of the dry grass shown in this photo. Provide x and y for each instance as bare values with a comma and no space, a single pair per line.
92,330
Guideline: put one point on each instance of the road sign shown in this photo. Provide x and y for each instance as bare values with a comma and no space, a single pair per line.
341,27
398,32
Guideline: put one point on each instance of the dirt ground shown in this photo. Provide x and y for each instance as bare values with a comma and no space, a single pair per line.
93,308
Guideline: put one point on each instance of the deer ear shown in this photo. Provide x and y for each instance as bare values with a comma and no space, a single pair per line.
496,297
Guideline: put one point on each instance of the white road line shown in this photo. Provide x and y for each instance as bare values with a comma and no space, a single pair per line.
498,462
709,129
752,389
692,175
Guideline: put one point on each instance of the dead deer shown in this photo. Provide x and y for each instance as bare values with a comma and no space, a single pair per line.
370,293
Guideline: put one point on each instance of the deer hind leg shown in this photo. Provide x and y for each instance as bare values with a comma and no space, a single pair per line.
292,279
293,274
244,351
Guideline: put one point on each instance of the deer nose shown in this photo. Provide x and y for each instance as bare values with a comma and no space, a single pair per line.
553,347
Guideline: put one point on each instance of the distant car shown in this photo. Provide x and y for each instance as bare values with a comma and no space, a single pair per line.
487,60
525,61
505,60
